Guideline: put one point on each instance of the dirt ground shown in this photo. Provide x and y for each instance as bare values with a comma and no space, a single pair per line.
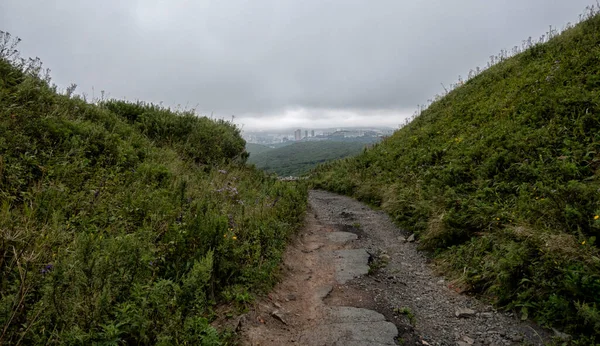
350,277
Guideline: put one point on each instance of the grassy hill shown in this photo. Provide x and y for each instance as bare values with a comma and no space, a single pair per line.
126,223
255,149
500,180
298,158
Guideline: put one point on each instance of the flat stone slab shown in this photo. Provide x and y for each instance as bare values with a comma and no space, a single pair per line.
341,237
351,326
324,291
349,314
350,263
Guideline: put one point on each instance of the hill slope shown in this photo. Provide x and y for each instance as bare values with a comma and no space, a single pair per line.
126,223
299,158
501,180
254,149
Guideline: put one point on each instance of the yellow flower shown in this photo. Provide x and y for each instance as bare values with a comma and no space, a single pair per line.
583,242
596,217
225,236
234,238
498,219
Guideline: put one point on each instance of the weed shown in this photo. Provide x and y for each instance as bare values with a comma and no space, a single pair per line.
408,313
377,262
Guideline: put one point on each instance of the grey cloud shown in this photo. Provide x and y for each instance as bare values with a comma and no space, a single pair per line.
266,57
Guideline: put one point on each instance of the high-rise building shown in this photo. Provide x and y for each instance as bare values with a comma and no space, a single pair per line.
312,133
298,134
305,133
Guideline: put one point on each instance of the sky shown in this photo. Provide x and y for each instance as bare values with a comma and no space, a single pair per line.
273,64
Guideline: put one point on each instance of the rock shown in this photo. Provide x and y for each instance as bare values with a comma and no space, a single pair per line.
350,263
486,315
464,312
562,336
517,338
277,305
468,340
279,316
411,238
385,257
341,237
346,215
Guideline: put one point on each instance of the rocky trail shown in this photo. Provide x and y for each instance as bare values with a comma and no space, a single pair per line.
350,277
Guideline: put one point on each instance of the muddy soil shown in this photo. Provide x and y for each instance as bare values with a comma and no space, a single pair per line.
350,277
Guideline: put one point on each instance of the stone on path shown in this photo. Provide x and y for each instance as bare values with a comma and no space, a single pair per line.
464,312
351,326
341,237
279,316
350,263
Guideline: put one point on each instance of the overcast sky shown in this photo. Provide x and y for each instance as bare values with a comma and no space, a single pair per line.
276,63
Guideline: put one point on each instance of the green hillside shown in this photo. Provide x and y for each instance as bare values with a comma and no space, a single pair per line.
500,180
126,223
255,149
299,158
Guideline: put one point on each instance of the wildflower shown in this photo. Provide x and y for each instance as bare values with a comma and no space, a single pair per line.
596,217
497,219
47,268
225,236
234,238
583,242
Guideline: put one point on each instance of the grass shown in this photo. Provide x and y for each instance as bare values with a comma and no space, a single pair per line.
408,313
126,223
500,180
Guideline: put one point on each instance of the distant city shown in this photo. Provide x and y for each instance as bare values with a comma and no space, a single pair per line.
272,137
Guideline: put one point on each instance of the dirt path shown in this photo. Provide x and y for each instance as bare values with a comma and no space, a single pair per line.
327,298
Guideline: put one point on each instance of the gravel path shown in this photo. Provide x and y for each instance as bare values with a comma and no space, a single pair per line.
326,298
